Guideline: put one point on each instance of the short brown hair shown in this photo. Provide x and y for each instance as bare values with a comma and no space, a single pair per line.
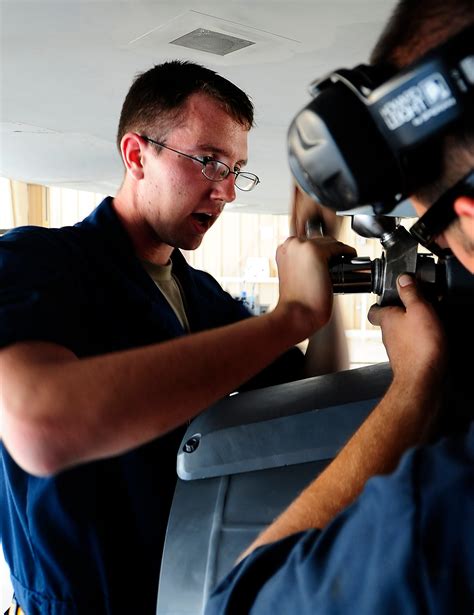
416,26
158,95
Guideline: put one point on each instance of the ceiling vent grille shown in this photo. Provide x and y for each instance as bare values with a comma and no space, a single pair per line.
211,42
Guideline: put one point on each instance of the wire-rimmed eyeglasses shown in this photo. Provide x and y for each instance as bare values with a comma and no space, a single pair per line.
215,170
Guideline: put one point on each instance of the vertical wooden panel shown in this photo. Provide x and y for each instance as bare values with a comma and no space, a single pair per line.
264,236
230,245
20,203
6,205
211,250
37,205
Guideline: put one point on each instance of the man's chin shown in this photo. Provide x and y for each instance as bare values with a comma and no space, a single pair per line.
190,244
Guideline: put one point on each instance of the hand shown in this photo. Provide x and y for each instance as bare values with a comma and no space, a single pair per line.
412,334
305,283
311,219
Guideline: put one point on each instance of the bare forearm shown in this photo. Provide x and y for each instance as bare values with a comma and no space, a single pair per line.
57,410
415,345
397,423
102,406
327,350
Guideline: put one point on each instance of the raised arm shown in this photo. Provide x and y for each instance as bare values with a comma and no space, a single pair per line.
58,410
327,349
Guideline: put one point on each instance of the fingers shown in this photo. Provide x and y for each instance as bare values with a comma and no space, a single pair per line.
329,247
374,315
408,290
409,295
337,248
378,313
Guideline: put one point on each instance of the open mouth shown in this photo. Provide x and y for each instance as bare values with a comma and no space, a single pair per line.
204,221
203,218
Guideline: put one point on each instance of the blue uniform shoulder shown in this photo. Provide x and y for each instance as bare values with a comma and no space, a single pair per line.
417,515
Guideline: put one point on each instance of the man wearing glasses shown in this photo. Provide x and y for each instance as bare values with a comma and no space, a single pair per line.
98,371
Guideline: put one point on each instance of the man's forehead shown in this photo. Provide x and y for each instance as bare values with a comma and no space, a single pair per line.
217,150
207,125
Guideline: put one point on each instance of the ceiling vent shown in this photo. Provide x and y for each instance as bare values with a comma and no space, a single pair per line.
209,41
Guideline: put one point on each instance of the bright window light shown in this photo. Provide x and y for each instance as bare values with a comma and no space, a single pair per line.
6,204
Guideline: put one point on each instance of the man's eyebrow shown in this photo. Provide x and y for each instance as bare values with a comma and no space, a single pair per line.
219,151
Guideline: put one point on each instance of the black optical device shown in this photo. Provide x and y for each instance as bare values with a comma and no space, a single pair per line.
445,279
372,136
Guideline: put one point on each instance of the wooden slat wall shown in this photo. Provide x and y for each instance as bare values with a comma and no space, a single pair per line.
68,206
236,237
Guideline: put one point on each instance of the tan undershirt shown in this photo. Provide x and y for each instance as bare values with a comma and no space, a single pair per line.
165,280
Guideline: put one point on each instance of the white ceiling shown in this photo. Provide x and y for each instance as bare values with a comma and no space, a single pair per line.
66,66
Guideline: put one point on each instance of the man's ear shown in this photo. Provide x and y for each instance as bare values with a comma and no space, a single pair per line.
131,147
464,207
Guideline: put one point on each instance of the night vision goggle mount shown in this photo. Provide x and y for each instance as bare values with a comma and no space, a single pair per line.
439,279
445,278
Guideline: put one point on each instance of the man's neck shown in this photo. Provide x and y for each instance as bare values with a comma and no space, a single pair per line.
157,256
143,239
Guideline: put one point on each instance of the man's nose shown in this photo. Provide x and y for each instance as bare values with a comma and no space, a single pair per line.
226,188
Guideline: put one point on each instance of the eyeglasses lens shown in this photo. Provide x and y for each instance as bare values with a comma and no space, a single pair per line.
218,171
246,181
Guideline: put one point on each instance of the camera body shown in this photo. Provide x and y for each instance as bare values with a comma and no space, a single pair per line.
438,278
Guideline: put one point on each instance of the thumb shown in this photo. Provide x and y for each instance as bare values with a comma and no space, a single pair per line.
407,289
